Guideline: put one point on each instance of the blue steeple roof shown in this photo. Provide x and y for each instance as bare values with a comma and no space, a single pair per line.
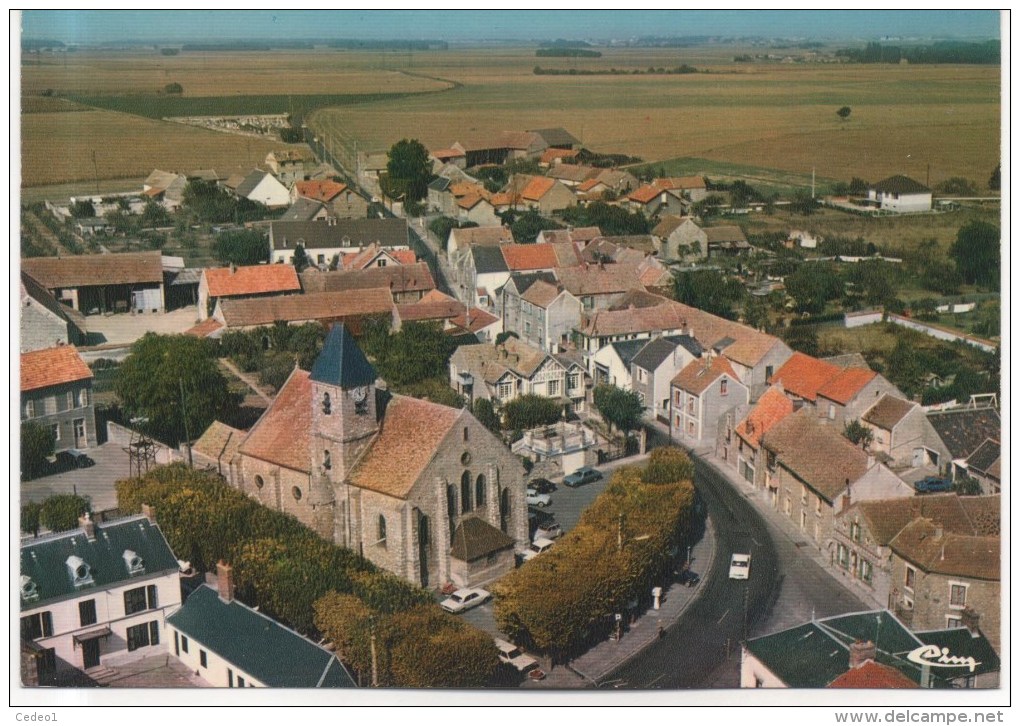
341,362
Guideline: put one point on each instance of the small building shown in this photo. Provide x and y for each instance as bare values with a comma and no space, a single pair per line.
963,430
557,138
564,447
653,201
700,394
264,188
692,187
537,193
902,432
726,240
165,187
305,210
56,393
339,199
93,227
95,284
230,645
326,239
45,322
462,239
243,283
900,194
985,465
96,596
680,238
290,165
217,450
572,175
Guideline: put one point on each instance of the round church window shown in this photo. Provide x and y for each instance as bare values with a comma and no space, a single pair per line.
296,491
259,481
465,458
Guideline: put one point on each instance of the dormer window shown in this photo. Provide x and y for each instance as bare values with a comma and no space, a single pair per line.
29,590
327,404
135,564
81,573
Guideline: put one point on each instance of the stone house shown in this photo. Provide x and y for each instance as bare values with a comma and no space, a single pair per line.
476,208
902,432
289,165
538,193
461,239
44,321
351,307
432,504
656,365
680,238
539,310
726,240
264,188
691,187
699,395
56,394
743,433
407,283
985,465
600,286
653,201
242,283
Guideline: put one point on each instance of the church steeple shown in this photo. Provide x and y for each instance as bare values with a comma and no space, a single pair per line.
341,362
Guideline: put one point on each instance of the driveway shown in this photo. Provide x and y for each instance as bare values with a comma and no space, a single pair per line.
96,482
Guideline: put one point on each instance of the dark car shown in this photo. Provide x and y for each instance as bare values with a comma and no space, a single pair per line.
74,459
933,484
542,486
689,578
582,476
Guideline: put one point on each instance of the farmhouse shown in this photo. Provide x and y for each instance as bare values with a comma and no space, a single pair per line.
538,193
165,187
339,199
289,165
691,187
56,394
680,238
305,210
900,194
462,239
653,201
93,284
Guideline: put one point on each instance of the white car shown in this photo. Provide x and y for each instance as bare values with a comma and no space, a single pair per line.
740,567
537,547
538,500
550,530
465,599
510,653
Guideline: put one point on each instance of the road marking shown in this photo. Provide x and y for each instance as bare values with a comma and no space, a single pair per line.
723,616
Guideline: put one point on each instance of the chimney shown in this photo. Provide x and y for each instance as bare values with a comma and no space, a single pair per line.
971,619
88,526
150,512
225,581
861,652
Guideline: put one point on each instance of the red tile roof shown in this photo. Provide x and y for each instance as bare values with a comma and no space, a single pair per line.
551,155
645,194
360,260
847,384
251,280
52,367
680,182
243,313
204,329
537,188
320,190
771,408
873,675
410,433
283,434
530,257
479,319
588,185
803,376
443,154
696,377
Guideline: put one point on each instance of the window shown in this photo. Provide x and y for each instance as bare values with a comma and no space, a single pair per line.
55,428
70,400
554,388
641,374
139,599
327,404
910,577
677,423
259,481
843,557
230,678
177,643
480,491
832,411
30,409
957,595
690,428
327,460
505,389
240,682
321,259
381,531
803,494
203,659
87,612
855,531
722,387
768,374
465,433
83,398
866,571
184,643
142,635
527,328
296,493
465,492
39,625
953,622
573,381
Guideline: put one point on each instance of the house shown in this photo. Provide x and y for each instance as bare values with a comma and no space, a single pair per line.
93,284
838,394
963,431
324,240
539,310
94,597
726,240
45,322
339,199
538,193
461,240
746,432
440,198
865,648
680,238
654,368
476,208
985,465
433,504
501,147
600,286
480,268
455,155
653,201
692,187
56,394
352,306
616,182
93,227
552,156
811,489
290,165
557,138
803,239
264,188
376,256
610,364
570,235
700,394
231,645
902,432
165,187
483,325
900,194
305,210
438,307
927,557
572,175
242,283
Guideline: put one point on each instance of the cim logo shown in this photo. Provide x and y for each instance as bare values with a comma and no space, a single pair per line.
936,657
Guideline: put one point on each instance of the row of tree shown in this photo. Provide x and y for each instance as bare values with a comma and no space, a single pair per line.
57,513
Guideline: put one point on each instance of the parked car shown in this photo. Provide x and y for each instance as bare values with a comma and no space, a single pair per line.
549,530
465,599
513,655
74,459
535,499
536,548
582,476
933,484
740,567
542,486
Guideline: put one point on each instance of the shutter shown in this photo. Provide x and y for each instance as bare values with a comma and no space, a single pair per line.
47,624
154,632
150,593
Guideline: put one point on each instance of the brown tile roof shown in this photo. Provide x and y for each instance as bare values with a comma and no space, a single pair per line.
530,257
541,293
487,236
468,201
251,280
680,182
537,188
479,319
360,260
397,278
464,188
771,408
595,280
816,452
566,254
667,225
444,154
503,199
803,376
951,554
645,194
726,234
573,172
493,360
220,442
283,434
324,190
590,184
310,306
696,377
888,411
475,538
404,446
124,268
430,310
204,329
846,384
551,155
873,675
52,367
975,516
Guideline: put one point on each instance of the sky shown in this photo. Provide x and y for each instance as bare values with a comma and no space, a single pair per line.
96,26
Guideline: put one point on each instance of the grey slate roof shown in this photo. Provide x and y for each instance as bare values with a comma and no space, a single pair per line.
489,259
627,349
45,559
341,362
984,456
41,295
656,351
303,210
250,182
338,233
900,184
256,644
524,280
557,137
440,184
963,430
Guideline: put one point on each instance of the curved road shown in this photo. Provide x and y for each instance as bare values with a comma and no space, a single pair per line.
700,650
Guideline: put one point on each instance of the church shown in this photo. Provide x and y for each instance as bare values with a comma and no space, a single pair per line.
420,489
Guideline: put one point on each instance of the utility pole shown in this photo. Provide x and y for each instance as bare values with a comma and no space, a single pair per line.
375,667
619,533
95,170
812,182
184,416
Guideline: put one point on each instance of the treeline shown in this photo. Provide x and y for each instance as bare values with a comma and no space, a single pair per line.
567,53
360,44
650,71
948,51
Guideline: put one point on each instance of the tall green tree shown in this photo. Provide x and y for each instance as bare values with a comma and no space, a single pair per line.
61,511
36,445
529,411
813,285
708,290
242,247
527,226
976,251
408,171
620,408
844,112
858,433
301,260
174,382
486,415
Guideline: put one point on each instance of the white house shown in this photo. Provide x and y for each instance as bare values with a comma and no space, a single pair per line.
96,596
323,240
900,194
264,188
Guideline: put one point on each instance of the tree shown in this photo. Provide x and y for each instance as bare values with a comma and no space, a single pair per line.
83,208
526,227
803,339
290,135
36,445
30,518
164,373
301,260
813,285
977,252
708,290
529,411
173,88
941,277
61,511
612,220
667,465
858,433
803,203
995,180
618,407
415,353
155,215
844,112
408,171
967,486
277,365
242,247
486,415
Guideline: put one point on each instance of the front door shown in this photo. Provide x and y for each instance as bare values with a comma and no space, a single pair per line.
79,434
90,653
